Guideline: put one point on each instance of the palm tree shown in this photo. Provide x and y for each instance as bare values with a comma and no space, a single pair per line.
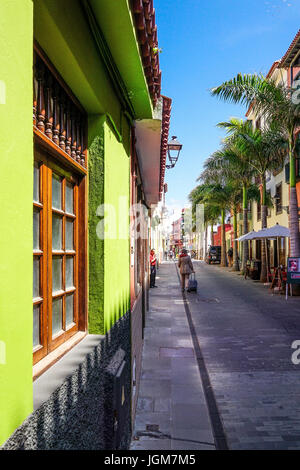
211,217
233,165
266,150
276,103
235,202
253,153
219,194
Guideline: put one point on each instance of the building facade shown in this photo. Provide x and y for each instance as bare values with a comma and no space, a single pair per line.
86,88
176,237
277,187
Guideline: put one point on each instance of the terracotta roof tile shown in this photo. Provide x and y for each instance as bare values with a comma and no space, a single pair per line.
296,42
146,29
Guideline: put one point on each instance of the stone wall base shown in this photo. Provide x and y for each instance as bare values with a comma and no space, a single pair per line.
83,412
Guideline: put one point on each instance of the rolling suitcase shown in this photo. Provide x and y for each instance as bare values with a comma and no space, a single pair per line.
192,284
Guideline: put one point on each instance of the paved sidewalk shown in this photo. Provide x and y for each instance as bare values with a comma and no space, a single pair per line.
172,412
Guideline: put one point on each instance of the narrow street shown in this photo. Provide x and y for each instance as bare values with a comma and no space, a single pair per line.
241,347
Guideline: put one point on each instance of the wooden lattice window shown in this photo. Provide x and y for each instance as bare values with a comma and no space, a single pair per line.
59,217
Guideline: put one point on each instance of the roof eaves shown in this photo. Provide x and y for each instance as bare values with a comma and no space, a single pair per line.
273,68
291,52
146,30
166,116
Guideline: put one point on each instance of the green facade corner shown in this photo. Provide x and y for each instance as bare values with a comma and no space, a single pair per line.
116,245
109,166
16,214
70,46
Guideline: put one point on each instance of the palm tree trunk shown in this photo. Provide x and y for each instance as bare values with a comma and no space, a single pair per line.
293,209
263,274
294,223
235,243
206,234
223,241
245,228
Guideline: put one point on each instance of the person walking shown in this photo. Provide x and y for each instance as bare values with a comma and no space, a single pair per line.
152,268
230,257
186,267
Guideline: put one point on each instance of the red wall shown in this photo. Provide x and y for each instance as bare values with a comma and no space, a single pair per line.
296,70
218,235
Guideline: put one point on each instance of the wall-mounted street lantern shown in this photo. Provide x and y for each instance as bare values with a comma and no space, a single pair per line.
174,148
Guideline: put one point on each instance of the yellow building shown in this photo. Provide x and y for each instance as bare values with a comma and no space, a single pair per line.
277,188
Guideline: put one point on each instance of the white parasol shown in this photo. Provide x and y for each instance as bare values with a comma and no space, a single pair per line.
277,231
248,236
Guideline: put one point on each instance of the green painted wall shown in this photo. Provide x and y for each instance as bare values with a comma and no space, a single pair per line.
116,249
16,30
61,30
109,287
66,40
115,17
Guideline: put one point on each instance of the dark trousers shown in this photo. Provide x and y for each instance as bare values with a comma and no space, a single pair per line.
152,276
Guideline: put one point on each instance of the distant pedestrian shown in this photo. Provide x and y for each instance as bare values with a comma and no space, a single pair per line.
152,268
186,267
230,257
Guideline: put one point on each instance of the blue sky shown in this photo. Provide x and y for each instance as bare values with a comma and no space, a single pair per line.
205,42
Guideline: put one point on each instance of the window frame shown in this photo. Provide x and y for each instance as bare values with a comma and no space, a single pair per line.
278,204
269,209
258,211
56,340
48,166
51,158
40,350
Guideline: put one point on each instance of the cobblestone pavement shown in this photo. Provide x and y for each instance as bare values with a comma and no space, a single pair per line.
245,334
